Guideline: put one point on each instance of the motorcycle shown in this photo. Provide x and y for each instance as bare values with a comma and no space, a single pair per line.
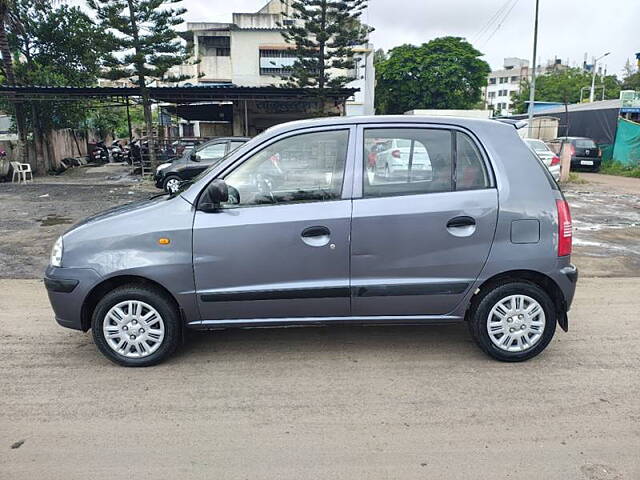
117,152
100,153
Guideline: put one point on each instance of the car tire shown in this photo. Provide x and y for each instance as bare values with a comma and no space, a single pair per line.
140,307
596,169
169,182
520,335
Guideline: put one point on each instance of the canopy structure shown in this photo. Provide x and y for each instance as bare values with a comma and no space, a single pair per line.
246,110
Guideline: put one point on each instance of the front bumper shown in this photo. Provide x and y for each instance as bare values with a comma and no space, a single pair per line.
159,178
67,289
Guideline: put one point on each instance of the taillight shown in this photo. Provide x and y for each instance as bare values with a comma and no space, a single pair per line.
396,154
565,231
555,160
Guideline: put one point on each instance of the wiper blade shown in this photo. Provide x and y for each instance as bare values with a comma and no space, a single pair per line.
159,195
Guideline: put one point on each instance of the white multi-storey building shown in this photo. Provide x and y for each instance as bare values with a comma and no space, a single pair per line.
503,84
251,52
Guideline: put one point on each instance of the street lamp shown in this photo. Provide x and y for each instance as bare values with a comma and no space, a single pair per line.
593,77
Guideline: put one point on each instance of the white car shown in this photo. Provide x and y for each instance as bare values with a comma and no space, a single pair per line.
393,157
544,153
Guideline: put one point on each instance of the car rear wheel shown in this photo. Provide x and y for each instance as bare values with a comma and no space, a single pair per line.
171,183
136,326
514,321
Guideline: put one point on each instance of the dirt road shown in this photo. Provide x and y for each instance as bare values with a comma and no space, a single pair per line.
346,402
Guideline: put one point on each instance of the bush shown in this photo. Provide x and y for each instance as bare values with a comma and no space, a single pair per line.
617,168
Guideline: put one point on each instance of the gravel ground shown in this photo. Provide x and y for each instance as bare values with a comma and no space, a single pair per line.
606,214
606,221
32,216
318,403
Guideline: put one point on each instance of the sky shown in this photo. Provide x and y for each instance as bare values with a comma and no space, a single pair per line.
568,28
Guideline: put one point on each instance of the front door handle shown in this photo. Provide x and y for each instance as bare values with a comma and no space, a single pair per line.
317,236
315,232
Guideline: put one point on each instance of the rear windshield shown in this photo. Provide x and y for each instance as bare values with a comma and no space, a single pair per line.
585,143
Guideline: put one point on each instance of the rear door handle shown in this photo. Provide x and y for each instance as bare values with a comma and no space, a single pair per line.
459,222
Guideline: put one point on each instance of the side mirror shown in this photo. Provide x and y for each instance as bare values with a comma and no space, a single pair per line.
216,193
194,157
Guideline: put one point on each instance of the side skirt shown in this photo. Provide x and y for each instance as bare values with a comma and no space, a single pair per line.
322,321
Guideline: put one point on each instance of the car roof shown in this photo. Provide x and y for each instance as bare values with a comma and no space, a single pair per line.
463,122
573,138
218,139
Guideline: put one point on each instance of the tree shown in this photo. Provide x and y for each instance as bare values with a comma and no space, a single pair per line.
445,73
379,56
7,69
145,44
564,87
632,82
49,48
324,33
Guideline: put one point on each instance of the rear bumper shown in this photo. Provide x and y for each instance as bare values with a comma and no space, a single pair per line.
67,289
577,162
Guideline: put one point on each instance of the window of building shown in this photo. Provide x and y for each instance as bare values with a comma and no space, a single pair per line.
492,81
515,79
491,94
504,79
276,62
303,168
214,46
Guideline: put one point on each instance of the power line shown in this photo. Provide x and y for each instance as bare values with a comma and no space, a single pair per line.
504,18
485,28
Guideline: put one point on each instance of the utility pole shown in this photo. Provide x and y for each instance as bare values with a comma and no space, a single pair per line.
532,92
593,77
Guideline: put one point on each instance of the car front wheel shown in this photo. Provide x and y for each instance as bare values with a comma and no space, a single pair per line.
136,326
514,321
172,183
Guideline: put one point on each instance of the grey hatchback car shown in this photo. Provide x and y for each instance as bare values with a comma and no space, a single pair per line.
295,228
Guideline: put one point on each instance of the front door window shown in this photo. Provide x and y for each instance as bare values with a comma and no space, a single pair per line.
302,168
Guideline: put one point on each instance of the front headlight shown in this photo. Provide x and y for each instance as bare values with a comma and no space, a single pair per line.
162,166
56,253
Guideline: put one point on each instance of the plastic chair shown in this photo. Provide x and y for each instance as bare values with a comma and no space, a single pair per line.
21,170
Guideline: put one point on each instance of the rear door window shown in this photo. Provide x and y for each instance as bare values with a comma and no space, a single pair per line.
406,161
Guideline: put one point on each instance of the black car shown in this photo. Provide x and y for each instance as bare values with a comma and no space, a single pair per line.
194,161
585,154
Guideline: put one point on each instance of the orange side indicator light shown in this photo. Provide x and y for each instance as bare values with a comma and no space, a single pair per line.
164,241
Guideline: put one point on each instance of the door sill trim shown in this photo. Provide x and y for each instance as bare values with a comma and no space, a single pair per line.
320,321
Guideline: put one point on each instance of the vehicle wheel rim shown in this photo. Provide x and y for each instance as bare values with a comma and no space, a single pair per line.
172,185
516,323
133,329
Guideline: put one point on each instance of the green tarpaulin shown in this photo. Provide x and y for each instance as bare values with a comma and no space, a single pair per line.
627,147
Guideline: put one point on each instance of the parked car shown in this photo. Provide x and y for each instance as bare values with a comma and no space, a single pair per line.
293,228
194,160
546,155
391,158
585,154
